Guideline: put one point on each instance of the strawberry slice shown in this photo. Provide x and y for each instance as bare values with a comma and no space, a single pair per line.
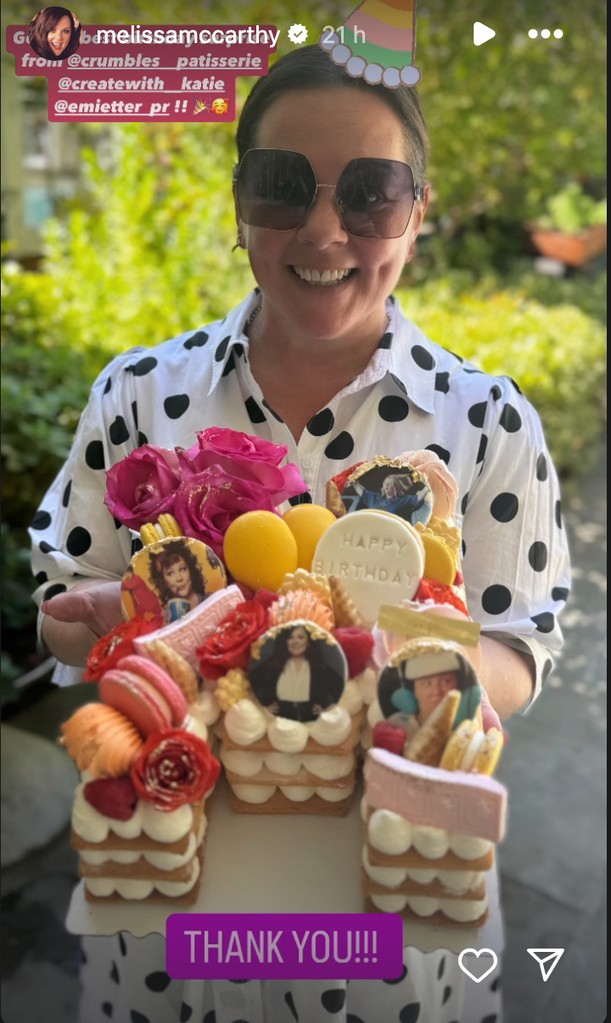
357,646
114,797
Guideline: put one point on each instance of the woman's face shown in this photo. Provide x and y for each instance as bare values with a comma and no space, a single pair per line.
430,691
59,36
331,126
178,578
389,487
297,643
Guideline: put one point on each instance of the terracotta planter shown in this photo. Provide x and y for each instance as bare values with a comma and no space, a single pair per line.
572,249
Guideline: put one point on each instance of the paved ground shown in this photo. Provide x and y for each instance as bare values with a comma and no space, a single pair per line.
552,862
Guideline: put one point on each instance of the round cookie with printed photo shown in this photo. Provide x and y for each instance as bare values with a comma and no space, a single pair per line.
417,677
297,670
170,578
389,485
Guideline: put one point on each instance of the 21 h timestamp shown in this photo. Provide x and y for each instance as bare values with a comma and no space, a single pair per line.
329,34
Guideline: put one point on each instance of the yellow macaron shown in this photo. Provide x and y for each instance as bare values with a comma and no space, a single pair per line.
489,752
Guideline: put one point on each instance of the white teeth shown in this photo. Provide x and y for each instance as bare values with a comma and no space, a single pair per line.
320,277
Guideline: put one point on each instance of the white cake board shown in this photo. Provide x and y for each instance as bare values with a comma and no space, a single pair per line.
257,863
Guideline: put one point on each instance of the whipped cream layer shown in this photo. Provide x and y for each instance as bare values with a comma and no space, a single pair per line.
329,768
367,683
138,890
461,910
352,697
246,722
393,835
205,709
459,882
296,793
161,860
92,826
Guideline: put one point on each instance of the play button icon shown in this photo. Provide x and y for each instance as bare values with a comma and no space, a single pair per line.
482,33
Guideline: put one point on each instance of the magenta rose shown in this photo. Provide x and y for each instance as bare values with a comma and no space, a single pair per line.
142,486
205,505
231,443
246,457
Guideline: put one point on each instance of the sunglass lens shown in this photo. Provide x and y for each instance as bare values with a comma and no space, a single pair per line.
375,197
275,188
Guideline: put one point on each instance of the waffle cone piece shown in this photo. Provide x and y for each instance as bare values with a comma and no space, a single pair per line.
176,666
346,612
334,500
428,744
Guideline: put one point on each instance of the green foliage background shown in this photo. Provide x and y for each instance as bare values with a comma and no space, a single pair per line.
145,251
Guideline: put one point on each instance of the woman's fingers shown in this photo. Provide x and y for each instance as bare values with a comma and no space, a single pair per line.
97,606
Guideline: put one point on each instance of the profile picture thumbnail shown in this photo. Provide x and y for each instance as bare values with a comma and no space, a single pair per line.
55,33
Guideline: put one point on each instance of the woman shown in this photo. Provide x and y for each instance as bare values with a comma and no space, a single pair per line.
409,691
399,495
55,33
178,579
321,358
297,681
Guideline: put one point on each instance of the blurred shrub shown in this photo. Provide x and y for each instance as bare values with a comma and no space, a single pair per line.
556,355
148,252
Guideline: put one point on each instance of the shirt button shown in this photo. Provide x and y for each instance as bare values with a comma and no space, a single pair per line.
306,463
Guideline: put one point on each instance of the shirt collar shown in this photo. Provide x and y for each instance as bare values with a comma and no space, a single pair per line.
404,353
410,359
231,332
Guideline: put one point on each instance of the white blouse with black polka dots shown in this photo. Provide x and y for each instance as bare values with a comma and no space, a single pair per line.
413,394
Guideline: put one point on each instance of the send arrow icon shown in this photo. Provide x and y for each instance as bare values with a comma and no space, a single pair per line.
482,33
548,959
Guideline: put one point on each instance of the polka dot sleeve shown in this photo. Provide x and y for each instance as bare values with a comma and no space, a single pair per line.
73,534
515,555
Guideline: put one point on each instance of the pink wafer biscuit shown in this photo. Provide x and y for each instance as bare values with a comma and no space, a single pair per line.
162,682
190,631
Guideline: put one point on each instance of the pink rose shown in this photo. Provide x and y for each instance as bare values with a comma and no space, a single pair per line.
232,443
205,505
142,486
247,457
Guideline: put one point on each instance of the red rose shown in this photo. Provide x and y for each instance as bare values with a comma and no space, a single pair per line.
174,768
118,643
229,645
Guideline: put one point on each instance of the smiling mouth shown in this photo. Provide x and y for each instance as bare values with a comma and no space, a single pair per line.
323,278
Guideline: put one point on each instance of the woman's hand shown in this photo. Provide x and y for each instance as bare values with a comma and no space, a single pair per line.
490,718
317,709
274,707
96,605
76,619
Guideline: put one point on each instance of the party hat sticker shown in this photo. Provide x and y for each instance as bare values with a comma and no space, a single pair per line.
377,42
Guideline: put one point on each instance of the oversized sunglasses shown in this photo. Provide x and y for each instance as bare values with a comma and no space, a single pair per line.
276,189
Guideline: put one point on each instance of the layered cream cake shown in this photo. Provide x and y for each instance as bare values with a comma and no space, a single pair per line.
430,839
139,817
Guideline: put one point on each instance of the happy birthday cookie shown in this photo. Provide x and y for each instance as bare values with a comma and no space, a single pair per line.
378,558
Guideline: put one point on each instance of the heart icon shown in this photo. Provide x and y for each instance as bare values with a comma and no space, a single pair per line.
477,952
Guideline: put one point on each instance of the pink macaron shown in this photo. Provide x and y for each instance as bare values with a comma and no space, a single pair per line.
145,693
